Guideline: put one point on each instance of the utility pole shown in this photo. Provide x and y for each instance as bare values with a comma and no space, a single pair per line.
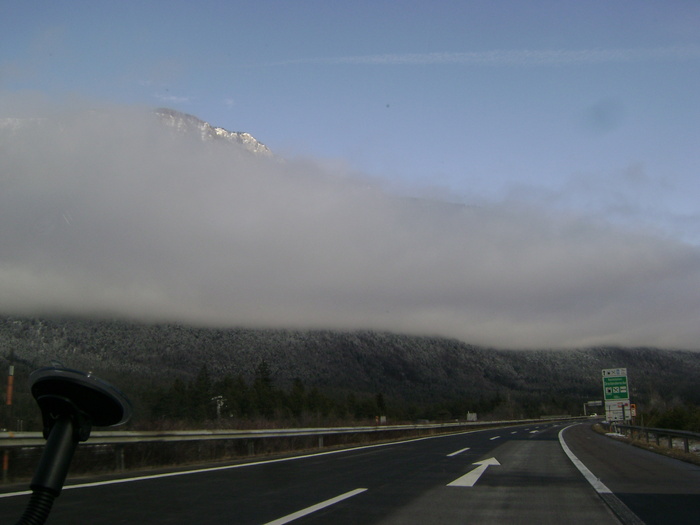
8,402
10,385
9,395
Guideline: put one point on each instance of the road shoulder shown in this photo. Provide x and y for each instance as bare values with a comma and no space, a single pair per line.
656,488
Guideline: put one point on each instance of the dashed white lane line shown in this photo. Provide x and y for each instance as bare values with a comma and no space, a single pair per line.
494,437
309,510
457,452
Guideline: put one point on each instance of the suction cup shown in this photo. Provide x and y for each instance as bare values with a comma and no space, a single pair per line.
71,403
99,402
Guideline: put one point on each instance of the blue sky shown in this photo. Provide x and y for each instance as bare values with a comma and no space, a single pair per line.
480,98
586,109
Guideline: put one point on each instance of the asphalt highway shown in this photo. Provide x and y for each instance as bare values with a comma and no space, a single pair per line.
513,475
657,489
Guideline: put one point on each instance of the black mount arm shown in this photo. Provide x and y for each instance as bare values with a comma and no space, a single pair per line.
70,402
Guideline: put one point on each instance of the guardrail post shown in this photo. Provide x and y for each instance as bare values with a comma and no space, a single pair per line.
5,465
686,445
320,441
119,456
251,448
670,441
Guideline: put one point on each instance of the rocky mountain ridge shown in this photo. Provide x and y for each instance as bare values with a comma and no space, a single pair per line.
181,122
185,123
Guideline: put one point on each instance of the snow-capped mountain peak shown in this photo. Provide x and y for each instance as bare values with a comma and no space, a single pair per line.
185,123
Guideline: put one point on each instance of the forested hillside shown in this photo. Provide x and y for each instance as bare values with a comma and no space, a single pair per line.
174,372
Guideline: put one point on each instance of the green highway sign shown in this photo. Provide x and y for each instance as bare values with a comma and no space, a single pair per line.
615,384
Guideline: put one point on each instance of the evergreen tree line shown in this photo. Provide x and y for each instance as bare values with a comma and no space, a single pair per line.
232,402
681,417
340,376
230,399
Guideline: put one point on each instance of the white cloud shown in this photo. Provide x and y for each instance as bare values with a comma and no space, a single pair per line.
172,99
107,213
631,196
516,57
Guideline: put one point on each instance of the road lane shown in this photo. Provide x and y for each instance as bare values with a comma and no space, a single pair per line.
315,508
535,484
405,483
472,477
255,492
658,489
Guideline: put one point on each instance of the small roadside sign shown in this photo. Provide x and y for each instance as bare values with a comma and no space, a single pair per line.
618,410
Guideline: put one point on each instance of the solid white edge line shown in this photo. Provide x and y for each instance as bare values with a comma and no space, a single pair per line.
13,494
598,485
314,508
616,505
238,465
458,452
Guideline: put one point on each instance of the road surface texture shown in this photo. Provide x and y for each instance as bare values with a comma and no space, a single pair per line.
514,475
658,489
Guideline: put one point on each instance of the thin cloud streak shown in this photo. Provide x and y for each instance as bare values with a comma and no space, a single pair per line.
172,99
108,213
522,57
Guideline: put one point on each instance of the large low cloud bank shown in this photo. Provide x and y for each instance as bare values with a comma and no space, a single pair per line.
110,213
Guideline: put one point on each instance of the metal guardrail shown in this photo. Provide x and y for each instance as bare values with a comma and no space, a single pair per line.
35,439
658,433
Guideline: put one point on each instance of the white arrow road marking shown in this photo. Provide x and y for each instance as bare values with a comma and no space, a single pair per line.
470,478
458,452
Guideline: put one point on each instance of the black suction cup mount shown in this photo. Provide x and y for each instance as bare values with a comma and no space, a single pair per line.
71,403
86,399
